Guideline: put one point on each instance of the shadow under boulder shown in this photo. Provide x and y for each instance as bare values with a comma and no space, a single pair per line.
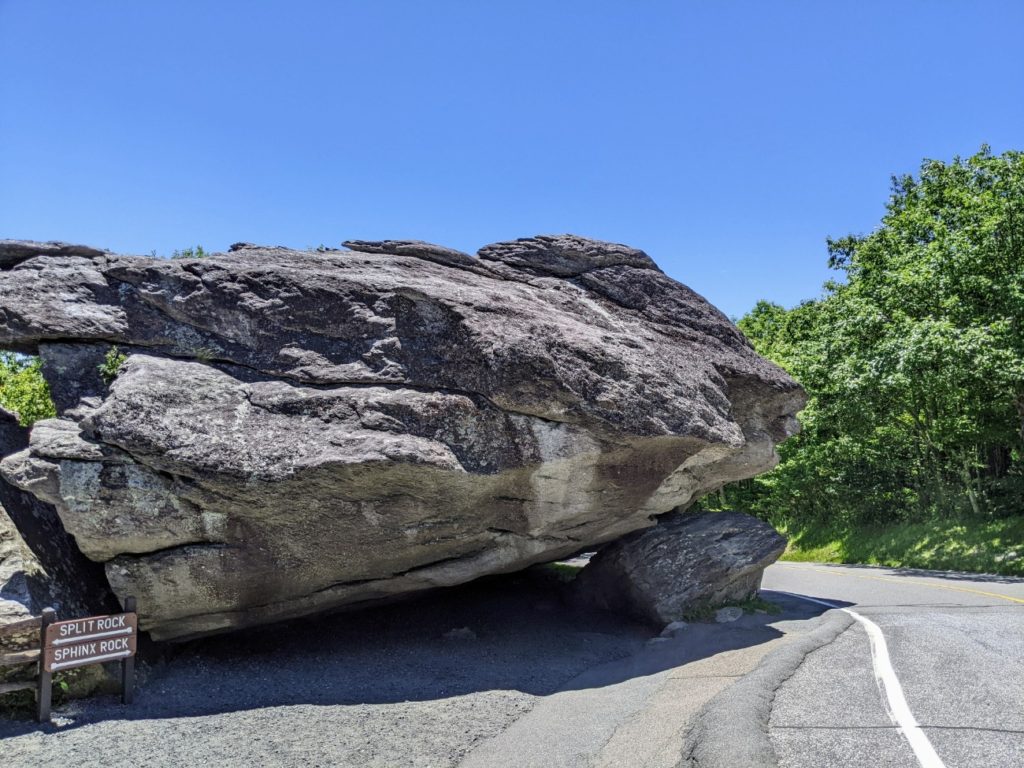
686,563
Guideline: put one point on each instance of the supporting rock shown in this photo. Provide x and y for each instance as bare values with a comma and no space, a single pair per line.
688,562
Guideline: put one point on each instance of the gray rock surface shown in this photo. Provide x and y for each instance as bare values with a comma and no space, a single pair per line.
40,566
565,255
674,628
728,614
417,248
17,567
13,251
299,431
686,563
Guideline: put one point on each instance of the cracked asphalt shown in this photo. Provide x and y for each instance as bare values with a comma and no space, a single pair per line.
956,643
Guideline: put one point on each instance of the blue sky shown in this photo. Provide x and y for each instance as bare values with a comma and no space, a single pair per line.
727,139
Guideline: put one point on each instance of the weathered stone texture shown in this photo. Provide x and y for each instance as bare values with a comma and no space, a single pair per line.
40,566
297,431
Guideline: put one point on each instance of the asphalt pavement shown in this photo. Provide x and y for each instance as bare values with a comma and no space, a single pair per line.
955,643
504,673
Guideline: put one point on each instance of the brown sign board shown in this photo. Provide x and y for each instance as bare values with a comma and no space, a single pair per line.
80,642
90,628
90,652
91,640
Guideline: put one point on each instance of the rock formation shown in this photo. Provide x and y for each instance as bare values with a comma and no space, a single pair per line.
686,563
296,431
40,566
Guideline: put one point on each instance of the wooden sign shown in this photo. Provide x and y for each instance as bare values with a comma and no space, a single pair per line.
74,631
79,642
81,654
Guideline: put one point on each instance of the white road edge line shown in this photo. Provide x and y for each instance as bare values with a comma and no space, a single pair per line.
895,702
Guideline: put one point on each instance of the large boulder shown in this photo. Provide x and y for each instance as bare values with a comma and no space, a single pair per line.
296,431
685,564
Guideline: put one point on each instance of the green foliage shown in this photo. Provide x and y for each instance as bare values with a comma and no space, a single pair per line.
562,572
111,365
992,546
190,253
914,364
23,389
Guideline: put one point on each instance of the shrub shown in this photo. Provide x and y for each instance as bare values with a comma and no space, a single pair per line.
111,365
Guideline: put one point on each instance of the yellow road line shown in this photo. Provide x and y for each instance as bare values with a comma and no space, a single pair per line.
902,580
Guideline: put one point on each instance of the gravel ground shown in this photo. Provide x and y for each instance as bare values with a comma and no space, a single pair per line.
382,687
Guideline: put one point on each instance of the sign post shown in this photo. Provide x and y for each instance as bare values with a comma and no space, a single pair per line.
80,642
44,685
128,663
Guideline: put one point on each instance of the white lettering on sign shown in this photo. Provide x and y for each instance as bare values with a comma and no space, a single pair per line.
75,652
109,646
74,628
110,622
92,628
91,653
89,640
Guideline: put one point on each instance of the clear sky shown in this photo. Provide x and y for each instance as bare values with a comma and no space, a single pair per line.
726,138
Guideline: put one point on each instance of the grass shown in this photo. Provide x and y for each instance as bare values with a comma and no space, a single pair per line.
979,546
561,572
759,604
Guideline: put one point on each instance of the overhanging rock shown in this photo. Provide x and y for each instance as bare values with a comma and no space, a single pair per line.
297,431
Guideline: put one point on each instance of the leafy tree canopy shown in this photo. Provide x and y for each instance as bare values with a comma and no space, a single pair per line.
914,363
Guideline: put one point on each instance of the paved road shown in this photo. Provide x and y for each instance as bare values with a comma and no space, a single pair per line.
528,680
540,685
637,712
956,645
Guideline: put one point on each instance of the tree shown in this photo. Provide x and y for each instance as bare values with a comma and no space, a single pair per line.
23,388
190,253
915,363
